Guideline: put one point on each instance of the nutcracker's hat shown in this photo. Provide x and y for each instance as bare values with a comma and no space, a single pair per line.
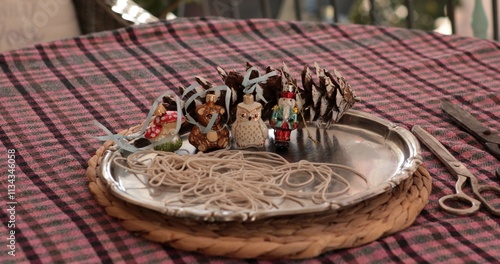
288,90
288,83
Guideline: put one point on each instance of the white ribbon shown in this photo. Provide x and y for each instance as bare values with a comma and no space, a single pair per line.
191,99
122,141
252,85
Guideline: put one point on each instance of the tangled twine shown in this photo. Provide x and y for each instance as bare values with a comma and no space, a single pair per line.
237,180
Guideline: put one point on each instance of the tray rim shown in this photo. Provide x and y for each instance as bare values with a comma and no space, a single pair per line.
409,166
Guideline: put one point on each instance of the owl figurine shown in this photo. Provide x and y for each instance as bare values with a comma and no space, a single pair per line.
248,129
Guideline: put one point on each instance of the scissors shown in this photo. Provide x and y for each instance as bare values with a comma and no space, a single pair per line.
463,175
490,140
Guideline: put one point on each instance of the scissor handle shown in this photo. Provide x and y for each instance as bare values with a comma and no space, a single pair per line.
474,204
462,198
494,195
493,148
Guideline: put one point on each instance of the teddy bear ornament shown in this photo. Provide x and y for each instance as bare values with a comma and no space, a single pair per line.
205,137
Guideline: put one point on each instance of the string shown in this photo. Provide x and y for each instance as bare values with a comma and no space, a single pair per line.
123,141
237,179
191,99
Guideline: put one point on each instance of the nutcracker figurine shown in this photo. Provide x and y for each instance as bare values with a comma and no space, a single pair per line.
284,117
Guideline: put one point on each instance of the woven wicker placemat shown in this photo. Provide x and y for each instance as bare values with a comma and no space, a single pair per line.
294,237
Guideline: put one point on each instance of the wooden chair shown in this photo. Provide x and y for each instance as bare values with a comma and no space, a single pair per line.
101,15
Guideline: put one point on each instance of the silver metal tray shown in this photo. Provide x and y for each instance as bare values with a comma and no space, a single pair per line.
385,153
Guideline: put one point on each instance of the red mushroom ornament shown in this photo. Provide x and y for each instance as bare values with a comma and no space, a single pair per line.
164,126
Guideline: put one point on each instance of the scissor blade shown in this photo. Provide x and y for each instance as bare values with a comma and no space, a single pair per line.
470,123
451,163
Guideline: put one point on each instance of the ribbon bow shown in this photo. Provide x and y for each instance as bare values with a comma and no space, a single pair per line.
191,99
252,85
122,141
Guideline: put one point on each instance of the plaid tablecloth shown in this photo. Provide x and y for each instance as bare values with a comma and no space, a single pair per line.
51,93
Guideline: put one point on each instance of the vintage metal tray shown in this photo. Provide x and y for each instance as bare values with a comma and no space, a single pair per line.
383,152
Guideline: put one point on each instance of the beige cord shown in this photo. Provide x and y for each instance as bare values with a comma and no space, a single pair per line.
238,180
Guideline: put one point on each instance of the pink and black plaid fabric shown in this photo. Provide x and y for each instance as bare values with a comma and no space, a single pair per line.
51,93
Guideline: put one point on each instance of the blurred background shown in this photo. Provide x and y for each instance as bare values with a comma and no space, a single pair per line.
27,22
425,14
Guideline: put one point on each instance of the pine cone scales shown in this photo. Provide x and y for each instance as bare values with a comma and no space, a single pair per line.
233,80
325,97
271,92
328,100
